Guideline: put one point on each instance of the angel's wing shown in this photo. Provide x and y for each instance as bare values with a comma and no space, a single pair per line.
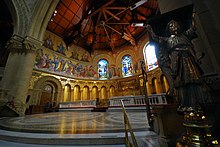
164,62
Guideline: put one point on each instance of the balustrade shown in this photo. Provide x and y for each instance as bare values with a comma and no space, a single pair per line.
134,101
154,99
77,104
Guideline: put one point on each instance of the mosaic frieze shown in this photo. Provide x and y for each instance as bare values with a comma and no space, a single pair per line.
53,43
58,64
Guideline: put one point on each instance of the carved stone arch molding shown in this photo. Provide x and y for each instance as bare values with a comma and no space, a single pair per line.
52,81
21,16
144,41
31,17
42,13
109,58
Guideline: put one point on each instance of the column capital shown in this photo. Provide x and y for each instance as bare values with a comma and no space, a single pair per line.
19,44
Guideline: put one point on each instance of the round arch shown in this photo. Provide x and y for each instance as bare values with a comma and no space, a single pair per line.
76,93
20,16
42,14
28,22
52,81
95,93
86,94
67,93
111,91
103,92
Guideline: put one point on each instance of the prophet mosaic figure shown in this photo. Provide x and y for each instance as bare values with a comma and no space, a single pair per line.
179,62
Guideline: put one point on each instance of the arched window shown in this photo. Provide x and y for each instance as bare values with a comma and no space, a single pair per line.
103,69
126,66
150,56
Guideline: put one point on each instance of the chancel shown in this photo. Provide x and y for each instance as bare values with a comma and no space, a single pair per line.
109,73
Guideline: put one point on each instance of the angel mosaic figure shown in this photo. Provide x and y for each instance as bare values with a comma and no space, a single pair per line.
178,61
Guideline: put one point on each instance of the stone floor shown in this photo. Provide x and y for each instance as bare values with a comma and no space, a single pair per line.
75,128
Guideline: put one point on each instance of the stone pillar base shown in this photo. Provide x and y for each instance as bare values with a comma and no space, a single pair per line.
7,112
3,97
9,106
167,124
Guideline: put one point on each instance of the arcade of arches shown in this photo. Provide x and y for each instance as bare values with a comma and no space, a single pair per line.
47,87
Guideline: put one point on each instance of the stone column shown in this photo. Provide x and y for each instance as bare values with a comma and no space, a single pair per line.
72,94
148,85
17,74
108,94
166,84
90,94
158,86
81,95
99,91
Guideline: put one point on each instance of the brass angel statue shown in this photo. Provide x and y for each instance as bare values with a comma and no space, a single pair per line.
178,61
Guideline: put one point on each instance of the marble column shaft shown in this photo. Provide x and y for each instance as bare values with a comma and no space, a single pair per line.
18,71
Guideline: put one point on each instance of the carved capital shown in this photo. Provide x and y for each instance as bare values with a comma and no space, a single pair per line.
19,44
15,43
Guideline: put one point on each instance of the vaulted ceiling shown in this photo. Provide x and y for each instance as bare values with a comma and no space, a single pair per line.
101,24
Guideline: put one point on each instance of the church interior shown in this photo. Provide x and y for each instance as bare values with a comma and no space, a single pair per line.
71,73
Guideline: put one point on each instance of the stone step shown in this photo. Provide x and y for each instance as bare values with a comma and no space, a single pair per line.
64,141
99,109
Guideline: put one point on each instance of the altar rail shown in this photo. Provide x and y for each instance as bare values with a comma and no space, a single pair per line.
154,99
78,104
134,101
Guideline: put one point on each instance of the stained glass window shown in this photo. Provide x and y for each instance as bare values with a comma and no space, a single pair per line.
150,57
126,66
103,69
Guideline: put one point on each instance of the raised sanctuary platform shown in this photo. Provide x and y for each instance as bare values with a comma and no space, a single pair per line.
75,128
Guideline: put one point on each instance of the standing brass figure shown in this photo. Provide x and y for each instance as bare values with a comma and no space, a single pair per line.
182,68
178,61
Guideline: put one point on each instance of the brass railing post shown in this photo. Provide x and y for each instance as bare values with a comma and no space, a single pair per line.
128,128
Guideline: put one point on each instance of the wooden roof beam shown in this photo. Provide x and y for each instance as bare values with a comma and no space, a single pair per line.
99,9
110,13
105,16
116,8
